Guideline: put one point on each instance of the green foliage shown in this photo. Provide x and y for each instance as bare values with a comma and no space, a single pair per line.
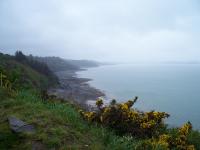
147,127
23,72
58,125
194,139
7,138
38,66
4,93
4,81
126,120
57,64
19,56
178,141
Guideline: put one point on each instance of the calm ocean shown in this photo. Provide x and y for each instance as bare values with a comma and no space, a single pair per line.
171,88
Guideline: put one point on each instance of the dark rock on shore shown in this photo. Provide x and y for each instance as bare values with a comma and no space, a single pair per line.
74,88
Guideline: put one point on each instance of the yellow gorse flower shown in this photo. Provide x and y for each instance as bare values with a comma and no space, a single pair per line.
124,107
125,119
99,102
184,130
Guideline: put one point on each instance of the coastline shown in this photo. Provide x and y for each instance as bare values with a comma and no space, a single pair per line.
75,88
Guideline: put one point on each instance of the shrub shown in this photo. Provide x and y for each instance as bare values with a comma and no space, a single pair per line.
165,141
126,120
149,126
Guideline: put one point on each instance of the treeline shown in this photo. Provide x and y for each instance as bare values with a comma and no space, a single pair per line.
33,63
57,64
40,67
26,72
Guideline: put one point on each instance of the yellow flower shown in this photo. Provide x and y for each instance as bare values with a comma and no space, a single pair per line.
99,102
89,115
124,107
164,138
106,110
185,129
129,103
190,147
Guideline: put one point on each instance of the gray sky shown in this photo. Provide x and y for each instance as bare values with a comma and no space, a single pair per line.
106,30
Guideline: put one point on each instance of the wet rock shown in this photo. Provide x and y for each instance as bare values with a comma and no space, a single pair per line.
18,126
75,89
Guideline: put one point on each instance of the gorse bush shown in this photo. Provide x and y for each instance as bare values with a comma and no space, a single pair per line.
126,120
166,141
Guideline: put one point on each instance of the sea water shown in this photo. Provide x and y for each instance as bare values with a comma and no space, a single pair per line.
173,88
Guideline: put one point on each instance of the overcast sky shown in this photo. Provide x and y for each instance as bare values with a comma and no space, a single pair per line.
105,30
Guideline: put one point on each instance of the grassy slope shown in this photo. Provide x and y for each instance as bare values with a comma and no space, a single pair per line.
58,125
30,74
32,77
27,76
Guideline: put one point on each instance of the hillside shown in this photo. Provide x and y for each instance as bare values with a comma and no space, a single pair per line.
24,72
58,64
58,124
30,119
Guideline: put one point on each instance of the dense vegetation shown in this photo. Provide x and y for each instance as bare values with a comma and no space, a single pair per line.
61,125
59,64
25,72
125,120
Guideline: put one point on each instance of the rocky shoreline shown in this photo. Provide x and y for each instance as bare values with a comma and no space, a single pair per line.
74,88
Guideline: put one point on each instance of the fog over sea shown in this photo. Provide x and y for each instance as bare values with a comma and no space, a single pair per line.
173,88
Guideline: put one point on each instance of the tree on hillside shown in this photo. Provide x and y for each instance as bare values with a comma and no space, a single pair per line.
40,67
19,56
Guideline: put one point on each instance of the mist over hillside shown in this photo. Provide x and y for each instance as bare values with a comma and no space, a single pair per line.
60,64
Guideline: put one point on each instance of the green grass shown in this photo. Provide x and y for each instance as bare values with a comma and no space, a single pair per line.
22,75
27,77
58,125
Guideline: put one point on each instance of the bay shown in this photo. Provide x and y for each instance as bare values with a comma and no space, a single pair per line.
173,88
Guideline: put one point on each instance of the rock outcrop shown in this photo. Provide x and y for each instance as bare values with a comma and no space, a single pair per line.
19,126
